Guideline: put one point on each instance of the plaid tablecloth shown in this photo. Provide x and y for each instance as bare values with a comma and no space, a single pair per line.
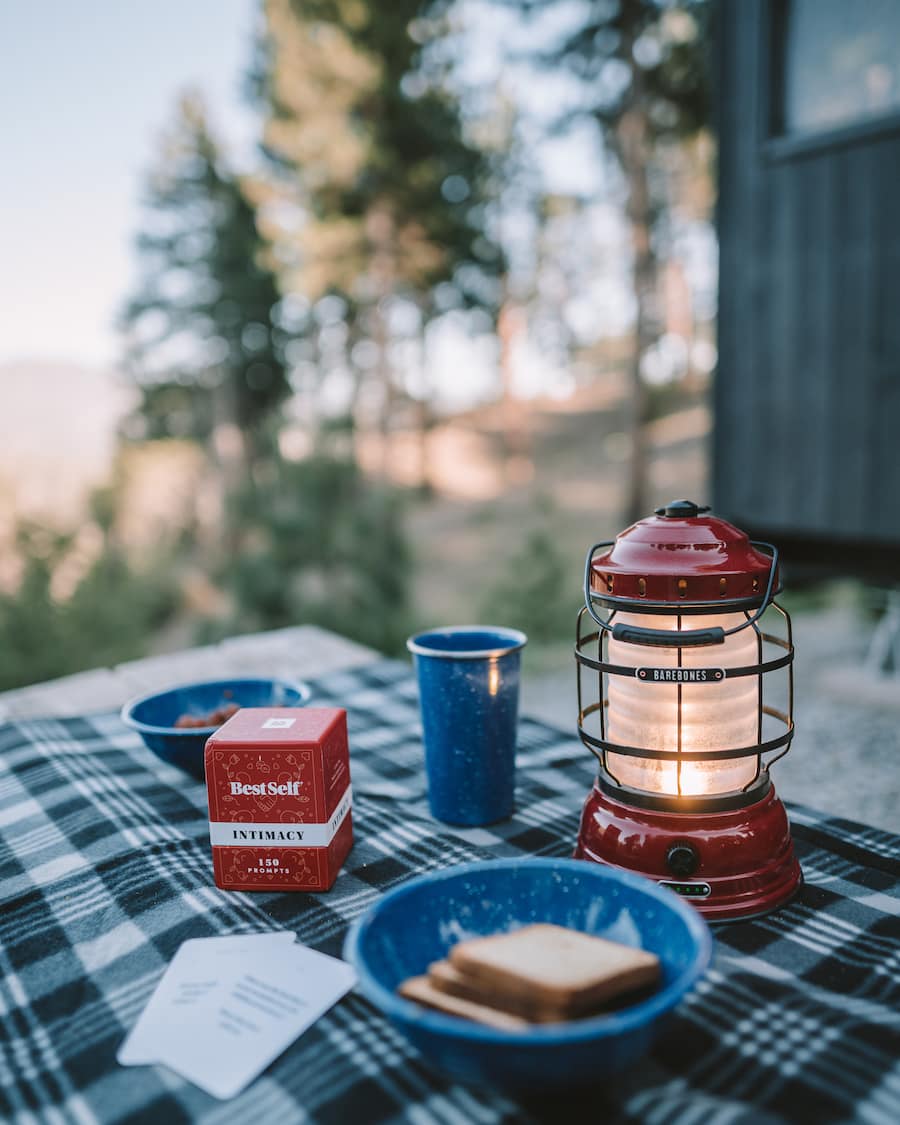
105,870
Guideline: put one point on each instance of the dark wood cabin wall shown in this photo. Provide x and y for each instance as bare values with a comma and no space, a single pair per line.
807,396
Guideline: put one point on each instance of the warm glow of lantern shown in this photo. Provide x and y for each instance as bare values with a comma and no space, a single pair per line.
714,716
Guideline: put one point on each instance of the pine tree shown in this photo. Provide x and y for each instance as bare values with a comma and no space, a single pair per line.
643,68
303,541
373,151
324,545
205,346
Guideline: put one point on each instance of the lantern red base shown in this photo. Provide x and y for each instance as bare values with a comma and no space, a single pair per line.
745,862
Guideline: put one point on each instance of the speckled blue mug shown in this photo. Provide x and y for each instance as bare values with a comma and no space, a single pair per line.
469,696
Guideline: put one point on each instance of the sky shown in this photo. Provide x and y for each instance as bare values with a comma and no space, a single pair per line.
86,89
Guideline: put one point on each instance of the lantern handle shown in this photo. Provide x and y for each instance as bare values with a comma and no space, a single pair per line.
663,638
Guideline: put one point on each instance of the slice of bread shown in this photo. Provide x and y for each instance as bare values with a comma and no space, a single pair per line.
423,992
444,977
560,972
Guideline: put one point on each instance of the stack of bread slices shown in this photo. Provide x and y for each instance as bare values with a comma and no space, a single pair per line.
538,974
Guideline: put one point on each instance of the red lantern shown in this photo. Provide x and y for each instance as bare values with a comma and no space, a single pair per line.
680,670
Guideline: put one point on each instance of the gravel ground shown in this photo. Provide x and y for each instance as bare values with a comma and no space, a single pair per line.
845,757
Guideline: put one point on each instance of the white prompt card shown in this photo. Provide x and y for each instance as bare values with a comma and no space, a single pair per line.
226,1007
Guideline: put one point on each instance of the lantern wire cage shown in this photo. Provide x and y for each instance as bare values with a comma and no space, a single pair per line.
774,653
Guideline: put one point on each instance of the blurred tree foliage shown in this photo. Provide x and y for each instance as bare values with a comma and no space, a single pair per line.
204,343
644,70
362,121
324,546
102,617
536,593
309,540
383,201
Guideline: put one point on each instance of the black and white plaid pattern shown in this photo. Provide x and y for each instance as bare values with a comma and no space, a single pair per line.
105,869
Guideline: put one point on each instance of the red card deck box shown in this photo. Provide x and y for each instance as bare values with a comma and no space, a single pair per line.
278,783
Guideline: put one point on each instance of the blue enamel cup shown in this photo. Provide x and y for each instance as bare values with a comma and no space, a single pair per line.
469,697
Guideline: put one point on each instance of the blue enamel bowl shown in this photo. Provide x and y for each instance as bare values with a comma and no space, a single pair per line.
154,716
419,921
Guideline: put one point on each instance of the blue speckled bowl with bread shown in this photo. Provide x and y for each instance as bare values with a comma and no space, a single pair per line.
416,924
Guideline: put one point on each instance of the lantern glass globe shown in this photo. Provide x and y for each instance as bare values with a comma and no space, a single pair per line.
686,717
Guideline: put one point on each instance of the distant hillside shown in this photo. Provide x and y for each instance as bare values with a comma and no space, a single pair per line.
57,434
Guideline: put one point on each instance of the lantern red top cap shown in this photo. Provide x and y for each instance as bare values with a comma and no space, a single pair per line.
682,554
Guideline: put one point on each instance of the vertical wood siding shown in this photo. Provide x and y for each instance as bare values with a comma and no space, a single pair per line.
807,395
